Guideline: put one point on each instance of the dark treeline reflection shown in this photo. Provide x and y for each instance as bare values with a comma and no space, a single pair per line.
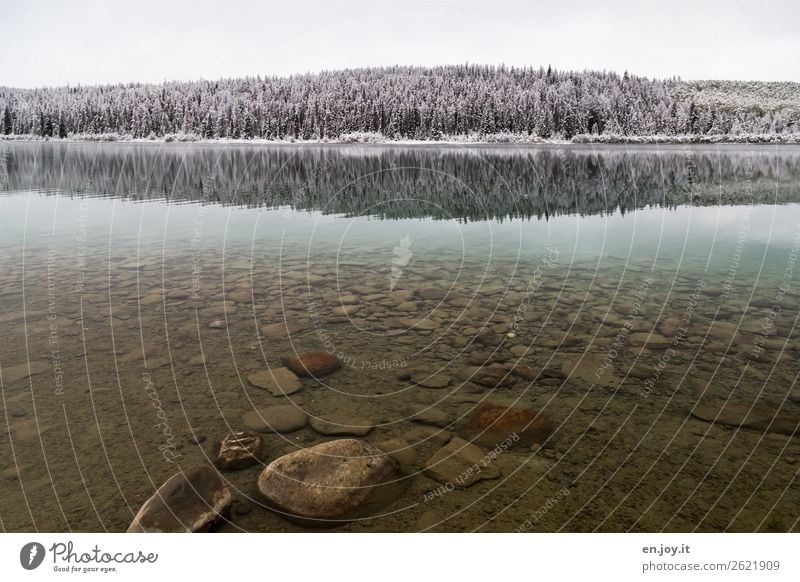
397,182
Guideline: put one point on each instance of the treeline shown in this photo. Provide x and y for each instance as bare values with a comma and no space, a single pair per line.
406,103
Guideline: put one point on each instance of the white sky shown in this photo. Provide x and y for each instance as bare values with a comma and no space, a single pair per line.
54,42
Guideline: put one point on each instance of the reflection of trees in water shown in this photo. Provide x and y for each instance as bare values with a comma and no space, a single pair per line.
468,184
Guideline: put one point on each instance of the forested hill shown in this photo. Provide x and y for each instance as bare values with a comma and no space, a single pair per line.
479,103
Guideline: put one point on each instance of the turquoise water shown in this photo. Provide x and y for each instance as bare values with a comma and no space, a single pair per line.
128,268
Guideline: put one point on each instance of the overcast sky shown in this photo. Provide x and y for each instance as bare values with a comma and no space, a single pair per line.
54,42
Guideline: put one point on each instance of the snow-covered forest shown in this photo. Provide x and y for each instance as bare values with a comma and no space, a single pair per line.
467,102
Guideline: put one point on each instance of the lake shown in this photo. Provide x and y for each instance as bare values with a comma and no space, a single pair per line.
631,309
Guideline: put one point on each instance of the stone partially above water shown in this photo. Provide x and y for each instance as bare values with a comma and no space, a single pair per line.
330,483
281,419
189,501
279,381
313,364
239,450
461,464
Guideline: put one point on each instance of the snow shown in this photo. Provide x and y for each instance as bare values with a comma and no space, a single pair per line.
459,104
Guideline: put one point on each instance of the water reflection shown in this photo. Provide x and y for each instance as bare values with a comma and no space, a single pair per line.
441,182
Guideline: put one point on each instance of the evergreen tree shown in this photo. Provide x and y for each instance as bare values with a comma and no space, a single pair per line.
8,126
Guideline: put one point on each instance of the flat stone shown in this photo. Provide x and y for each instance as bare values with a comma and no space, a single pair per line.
591,368
526,372
313,364
239,450
435,380
431,415
520,350
461,464
427,434
280,419
346,310
400,450
759,417
341,425
330,483
240,296
653,341
432,293
282,329
189,501
197,360
419,324
278,381
489,376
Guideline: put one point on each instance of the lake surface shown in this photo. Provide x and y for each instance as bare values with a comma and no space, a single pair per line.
643,300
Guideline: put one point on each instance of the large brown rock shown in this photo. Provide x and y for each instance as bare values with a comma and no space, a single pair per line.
313,364
330,483
239,450
492,424
189,501
758,417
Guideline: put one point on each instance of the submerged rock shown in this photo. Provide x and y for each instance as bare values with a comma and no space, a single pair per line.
758,417
400,450
431,415
341,425
239,450
280,419
190,501
434,380
489,376
330,483
282,329
460,464
313,364
433,293
279,381
493,424
592,368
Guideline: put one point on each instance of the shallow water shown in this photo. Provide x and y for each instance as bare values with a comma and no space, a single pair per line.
130,270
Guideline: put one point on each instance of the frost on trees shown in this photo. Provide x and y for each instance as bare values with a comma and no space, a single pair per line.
467,102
